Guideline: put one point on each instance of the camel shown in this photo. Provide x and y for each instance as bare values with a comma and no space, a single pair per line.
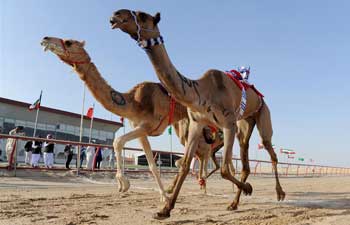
215,98
146,105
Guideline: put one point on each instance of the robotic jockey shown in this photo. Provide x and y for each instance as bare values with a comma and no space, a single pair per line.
245,71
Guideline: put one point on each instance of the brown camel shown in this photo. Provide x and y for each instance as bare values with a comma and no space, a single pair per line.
146,105
213,99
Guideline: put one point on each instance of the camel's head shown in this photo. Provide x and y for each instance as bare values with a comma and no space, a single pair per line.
139,25
69,51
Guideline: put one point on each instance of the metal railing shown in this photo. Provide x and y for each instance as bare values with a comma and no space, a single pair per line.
258,167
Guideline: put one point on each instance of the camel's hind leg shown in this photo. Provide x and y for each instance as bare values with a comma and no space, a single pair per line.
152,166
264,125
201,178
245,129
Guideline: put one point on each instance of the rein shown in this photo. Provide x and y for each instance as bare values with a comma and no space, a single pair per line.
171,114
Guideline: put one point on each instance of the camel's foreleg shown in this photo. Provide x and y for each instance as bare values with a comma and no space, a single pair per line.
244,131
118,145
178,164
191,146
229,135
152,166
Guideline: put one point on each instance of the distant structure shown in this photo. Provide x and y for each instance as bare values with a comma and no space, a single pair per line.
61,124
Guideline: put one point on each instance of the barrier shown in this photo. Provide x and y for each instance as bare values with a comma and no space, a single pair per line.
261,168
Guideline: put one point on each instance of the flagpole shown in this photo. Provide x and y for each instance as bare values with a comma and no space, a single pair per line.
123,147
92,119
37,114
171,150
81,130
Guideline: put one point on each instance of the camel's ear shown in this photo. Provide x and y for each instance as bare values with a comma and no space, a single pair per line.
82,43
142,16
156,18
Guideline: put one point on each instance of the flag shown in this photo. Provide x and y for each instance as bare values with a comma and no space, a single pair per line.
169,130
287,151
90,112
260,146
36,104
301,159
122,120
290,157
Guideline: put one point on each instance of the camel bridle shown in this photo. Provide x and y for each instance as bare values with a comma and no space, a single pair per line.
146,44
67,55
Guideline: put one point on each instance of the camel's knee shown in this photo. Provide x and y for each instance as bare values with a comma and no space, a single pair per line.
118,144
178,163
184,168
225,172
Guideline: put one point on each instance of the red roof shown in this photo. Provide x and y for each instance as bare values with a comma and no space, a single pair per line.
57,111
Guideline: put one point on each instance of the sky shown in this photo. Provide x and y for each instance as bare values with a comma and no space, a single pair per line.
298,52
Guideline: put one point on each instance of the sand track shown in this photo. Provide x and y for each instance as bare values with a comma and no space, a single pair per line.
72,201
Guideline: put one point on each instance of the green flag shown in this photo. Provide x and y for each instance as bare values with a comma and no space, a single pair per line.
169,130
301,159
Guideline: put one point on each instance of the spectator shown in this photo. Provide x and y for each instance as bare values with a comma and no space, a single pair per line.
112,159
90,153
82,155
11,143
48,152
69,154
98,151
36,152
28,149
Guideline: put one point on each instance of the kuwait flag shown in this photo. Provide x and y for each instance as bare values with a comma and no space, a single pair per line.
36,104
287,151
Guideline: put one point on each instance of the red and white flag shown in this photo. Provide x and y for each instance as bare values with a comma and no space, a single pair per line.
90,112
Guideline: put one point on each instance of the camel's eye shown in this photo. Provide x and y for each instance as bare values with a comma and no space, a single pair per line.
68,43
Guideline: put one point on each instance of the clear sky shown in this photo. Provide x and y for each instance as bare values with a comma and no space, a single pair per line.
298,52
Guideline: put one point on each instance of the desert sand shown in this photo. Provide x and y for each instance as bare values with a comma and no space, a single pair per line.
66,199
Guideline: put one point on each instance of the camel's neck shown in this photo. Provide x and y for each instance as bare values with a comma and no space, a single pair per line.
111,99
181,88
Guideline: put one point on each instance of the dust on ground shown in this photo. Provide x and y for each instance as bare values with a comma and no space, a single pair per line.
70,200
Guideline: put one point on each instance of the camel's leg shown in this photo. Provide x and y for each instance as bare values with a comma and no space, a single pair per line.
118,145
178,164
195,131
215,161
229,135
200,175
152,166
205,172
264,125
245,129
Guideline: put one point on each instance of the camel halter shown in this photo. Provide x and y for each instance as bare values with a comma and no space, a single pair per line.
145,44
67,55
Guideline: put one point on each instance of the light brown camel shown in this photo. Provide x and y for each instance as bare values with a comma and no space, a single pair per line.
146,105
212,99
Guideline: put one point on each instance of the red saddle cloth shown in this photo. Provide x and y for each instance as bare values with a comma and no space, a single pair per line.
236,77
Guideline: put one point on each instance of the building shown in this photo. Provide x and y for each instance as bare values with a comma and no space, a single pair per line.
61,124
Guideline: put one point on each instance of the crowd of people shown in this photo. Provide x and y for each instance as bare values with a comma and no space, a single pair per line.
36,149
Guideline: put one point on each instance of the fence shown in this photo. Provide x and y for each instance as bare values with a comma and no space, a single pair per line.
258,167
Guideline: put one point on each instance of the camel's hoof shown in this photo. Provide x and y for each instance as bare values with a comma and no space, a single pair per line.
232,207
281,195
161,215
247,189
126,184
